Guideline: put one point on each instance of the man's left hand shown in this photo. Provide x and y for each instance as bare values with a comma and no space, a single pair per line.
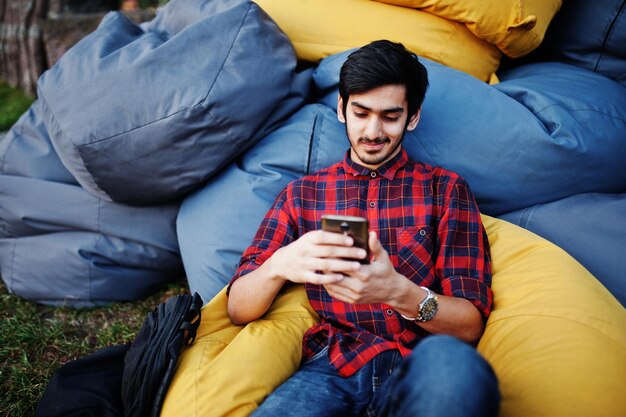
377,282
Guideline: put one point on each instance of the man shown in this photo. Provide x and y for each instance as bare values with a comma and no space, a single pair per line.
430,274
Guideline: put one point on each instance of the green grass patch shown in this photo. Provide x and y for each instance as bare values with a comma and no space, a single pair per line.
35,340
13,102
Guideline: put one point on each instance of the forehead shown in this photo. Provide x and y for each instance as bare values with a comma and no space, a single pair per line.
386,97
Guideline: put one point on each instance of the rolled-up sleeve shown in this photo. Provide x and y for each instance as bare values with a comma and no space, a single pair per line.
276,230
464,262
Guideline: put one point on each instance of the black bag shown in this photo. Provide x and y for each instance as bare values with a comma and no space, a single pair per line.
86,387
126,380
151,361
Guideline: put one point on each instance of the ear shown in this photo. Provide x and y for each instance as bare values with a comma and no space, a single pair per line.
414,120
340,114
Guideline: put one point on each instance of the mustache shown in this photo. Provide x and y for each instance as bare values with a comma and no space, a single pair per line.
374,141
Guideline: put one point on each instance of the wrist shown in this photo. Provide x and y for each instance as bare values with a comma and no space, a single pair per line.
405,295
274,270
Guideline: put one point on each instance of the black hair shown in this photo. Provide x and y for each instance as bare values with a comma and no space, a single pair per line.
382,63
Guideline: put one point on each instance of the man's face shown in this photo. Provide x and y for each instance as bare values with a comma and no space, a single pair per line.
375,122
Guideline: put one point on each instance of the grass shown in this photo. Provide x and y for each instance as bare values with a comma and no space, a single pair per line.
13,102
35,340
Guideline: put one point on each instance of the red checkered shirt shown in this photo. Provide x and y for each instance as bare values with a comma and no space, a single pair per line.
427,220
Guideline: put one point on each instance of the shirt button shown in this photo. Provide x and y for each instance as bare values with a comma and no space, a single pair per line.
389,312
372,204
373,174
423,232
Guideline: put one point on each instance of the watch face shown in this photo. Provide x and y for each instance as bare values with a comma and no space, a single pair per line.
429,309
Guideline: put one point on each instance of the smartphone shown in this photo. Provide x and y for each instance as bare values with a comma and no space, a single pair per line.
353,226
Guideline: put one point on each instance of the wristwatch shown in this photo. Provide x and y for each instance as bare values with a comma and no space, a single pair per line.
427,308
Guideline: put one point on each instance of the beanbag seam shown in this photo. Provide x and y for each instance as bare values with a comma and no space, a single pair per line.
168,116
535,37
526,216
198,107
230,49
52,119
570,109
313,150
4,230
18,132
196,372
606,36
424,148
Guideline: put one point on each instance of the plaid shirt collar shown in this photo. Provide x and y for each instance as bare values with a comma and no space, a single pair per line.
387,170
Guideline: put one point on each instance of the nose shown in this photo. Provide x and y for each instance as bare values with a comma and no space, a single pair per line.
373,129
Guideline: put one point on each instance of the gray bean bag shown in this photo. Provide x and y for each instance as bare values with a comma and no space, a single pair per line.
590,34
216,223
591,227
60,244
144,114
546,132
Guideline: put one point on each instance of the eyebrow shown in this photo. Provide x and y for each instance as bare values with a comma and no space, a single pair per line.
383,111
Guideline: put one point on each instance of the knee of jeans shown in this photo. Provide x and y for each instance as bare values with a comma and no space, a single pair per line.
450,359
445,377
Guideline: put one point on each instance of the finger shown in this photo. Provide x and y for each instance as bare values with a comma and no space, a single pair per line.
375,246
374,243
350,285
319,278
322,237
377,250
328,251
341,293
332,265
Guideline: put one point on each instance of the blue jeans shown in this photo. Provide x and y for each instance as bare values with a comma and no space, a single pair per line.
442,377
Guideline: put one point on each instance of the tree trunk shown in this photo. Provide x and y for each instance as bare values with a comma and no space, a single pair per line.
22,51
35,33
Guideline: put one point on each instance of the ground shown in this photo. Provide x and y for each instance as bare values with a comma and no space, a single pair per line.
35,340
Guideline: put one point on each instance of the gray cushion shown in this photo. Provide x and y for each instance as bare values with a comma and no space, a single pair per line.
60,244
216,223
143,115
590,34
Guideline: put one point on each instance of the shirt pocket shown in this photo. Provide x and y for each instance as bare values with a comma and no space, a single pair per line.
416,253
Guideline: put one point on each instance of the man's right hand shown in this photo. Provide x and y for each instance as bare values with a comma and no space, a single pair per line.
317,257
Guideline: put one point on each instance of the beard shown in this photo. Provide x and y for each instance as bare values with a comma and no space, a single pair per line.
377,158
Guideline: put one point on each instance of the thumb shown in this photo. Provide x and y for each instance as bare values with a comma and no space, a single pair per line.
376,248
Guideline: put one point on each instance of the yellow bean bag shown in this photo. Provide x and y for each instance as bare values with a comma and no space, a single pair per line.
319,28
516,27
230,369
556,339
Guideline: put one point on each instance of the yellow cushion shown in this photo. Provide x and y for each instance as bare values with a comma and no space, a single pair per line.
318,28
230,369
516,27
556,337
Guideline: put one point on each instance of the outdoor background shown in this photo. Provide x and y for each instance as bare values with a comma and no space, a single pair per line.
34,339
